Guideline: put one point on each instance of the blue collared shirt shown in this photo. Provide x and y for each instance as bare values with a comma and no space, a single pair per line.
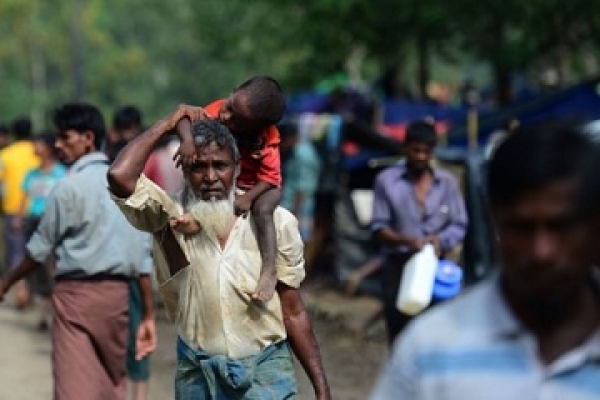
395,206
473,347
84,229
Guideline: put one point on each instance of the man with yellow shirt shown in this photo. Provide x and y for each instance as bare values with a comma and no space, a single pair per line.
15,161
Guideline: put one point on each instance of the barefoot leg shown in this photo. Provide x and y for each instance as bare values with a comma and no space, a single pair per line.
266,284
262,212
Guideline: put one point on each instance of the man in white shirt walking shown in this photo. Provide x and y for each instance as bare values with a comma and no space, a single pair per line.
228,345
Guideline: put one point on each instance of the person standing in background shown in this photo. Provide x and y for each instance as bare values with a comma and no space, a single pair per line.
97,254
414,203
4,136
127,124
161,169
301,168
16,160
530,330
36,188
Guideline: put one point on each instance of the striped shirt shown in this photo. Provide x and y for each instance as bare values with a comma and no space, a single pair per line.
474,348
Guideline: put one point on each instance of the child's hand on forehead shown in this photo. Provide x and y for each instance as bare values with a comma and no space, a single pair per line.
186,154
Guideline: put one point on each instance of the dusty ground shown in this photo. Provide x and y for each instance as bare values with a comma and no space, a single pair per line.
352,362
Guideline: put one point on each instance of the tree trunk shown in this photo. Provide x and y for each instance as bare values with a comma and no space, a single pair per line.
77,51
37,62
38,84
502,75
424,71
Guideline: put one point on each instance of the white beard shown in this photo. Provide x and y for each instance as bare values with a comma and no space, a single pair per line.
214,216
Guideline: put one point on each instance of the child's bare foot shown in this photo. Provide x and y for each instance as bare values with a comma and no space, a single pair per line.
266,284
185,224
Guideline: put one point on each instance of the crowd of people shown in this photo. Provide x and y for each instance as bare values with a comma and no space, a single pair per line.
212,207
231,287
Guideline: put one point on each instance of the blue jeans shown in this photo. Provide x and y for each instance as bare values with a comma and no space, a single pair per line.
267,376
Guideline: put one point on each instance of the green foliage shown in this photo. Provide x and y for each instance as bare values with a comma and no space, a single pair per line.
156,54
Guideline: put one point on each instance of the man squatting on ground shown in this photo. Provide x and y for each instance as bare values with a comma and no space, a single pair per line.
228,344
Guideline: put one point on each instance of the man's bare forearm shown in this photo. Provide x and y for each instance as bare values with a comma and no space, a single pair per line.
302,339
388,235
147,296
129,164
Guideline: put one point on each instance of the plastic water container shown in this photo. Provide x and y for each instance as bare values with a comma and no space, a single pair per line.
448,279
416,286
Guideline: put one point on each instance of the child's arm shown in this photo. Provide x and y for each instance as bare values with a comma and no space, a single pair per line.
186,154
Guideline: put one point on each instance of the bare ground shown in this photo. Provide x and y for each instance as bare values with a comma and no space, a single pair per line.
352,356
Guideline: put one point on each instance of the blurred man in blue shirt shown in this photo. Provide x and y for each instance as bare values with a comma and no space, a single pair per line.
301,172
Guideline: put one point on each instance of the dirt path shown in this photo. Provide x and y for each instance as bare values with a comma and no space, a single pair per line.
352,364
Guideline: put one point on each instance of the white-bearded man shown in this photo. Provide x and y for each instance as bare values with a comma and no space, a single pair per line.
228,345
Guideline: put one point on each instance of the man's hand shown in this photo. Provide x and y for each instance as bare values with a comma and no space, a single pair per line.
435,241
242,204
416,244
145,339
183,118
185,156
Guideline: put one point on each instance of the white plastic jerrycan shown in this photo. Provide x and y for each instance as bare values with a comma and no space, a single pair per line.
416,286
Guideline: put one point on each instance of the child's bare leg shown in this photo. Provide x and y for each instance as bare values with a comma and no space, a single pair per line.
262,212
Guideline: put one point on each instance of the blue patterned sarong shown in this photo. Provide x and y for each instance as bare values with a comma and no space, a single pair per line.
266,376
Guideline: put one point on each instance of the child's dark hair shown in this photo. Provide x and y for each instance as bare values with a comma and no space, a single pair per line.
265,99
